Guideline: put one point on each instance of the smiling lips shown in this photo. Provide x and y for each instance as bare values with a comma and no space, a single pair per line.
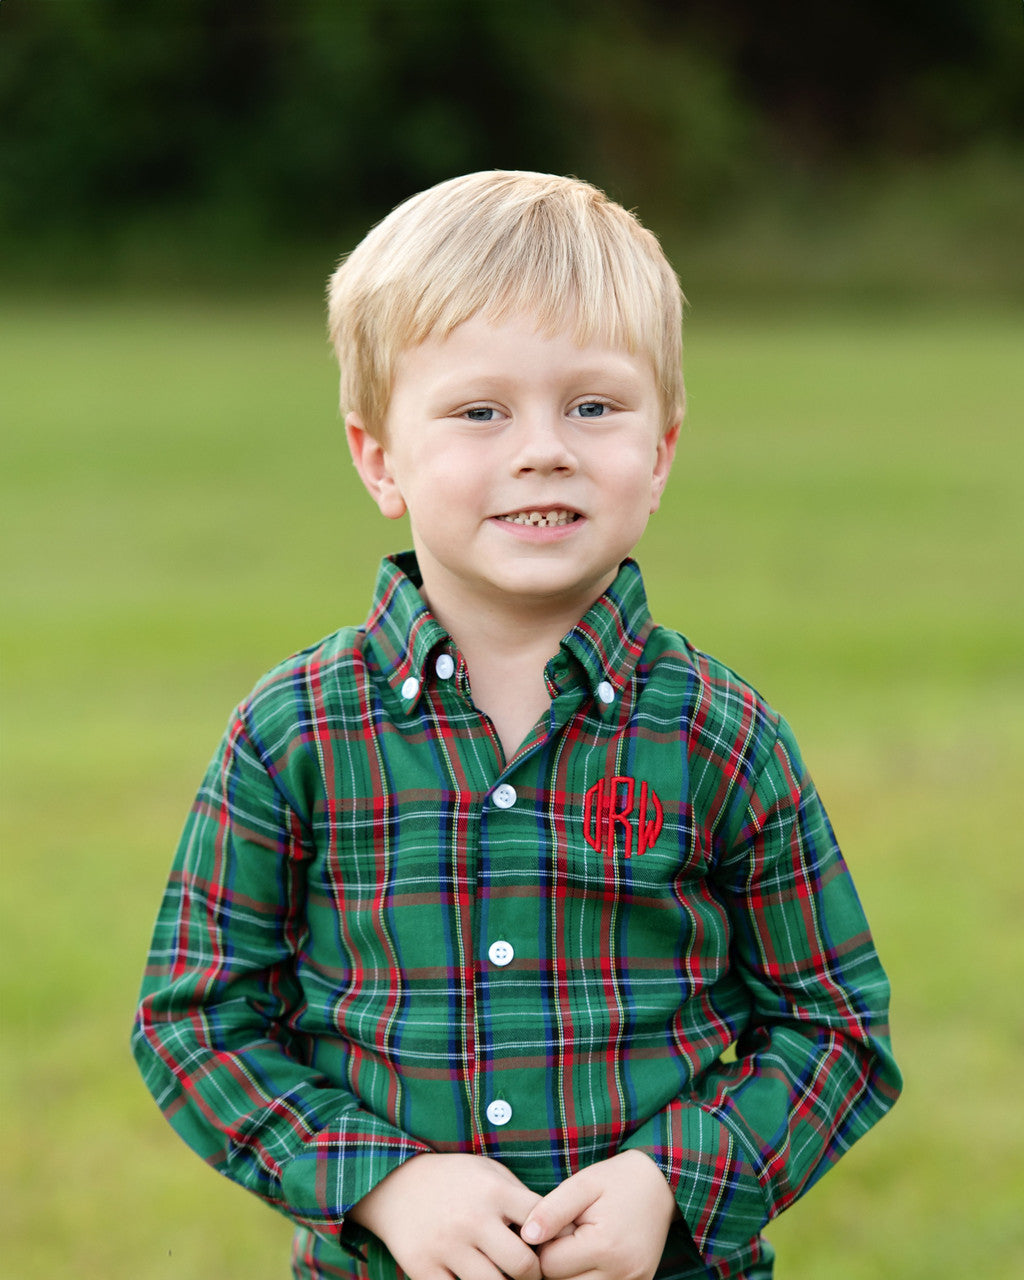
541,519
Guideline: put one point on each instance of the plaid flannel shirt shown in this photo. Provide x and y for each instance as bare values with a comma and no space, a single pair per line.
381,938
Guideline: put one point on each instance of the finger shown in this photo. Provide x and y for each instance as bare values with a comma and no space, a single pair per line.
510,1255
565,1259
471,1264
518,1202
558,1210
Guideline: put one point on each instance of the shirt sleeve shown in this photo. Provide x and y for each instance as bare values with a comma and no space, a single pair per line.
218,1031
814,1069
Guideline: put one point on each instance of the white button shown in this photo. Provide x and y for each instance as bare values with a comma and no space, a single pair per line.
445,666
501,953
605,692
499,1112
411,687
505,796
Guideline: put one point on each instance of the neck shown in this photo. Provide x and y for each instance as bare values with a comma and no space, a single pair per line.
514,632
504,622
506,676
506,649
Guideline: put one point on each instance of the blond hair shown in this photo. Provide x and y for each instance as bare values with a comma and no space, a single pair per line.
502,243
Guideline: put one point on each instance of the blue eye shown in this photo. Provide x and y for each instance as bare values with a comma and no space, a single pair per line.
592,409
480,414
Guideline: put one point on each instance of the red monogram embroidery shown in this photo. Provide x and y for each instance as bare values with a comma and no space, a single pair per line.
609,805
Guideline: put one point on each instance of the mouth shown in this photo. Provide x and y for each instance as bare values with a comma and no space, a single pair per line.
535,519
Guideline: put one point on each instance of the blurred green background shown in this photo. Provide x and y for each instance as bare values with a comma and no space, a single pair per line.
841,190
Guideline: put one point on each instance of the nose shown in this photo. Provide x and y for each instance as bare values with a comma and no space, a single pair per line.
543,446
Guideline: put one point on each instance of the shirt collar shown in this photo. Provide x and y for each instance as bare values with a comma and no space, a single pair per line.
401,630
608,640
603,647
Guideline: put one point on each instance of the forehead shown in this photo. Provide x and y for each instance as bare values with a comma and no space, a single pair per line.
523,349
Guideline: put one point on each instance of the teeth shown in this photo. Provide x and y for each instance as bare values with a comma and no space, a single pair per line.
541,520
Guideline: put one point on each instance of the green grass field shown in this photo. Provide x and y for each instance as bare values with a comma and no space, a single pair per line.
844,526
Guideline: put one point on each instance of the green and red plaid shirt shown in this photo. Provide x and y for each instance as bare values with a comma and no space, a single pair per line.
381,938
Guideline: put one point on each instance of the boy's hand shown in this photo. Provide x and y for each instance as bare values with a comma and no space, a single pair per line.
452,1215
621,1210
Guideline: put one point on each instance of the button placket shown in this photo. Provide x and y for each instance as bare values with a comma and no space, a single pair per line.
498,978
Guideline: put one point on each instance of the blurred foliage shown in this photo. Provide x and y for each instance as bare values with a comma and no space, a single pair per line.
288,121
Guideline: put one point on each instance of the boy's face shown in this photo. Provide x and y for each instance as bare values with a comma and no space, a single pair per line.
528,465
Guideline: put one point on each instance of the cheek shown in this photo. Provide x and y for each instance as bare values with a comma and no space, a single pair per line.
639,491
441,498
635,476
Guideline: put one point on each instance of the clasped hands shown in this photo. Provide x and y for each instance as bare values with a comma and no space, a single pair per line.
465,1216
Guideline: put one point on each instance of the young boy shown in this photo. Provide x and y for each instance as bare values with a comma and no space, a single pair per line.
507,935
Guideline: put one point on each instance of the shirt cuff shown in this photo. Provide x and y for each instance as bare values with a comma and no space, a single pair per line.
713,1180
337,1168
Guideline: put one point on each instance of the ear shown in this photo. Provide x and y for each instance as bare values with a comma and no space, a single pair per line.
666,452
373,463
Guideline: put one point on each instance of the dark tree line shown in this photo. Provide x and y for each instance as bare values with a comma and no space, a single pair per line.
310,114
